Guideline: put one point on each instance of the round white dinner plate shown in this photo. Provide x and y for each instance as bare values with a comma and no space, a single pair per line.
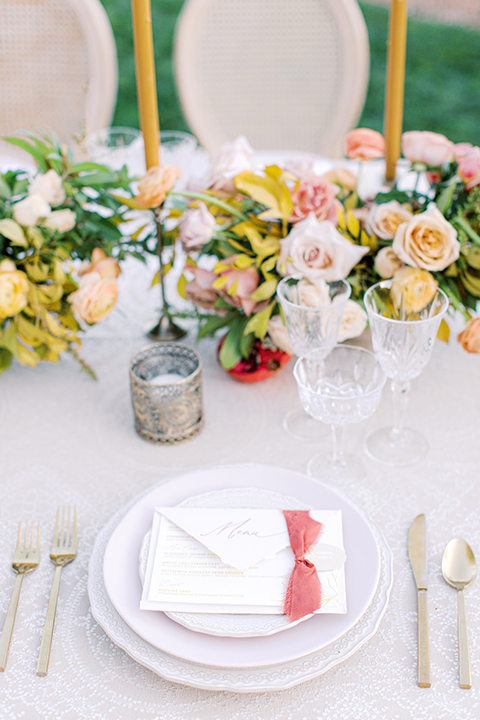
122,582
229,624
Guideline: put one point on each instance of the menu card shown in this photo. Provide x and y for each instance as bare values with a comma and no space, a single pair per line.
235,560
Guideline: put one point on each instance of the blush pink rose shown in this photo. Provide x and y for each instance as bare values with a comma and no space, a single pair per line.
431,149
200,290
314,195
364,144
470,337
469,167
246,281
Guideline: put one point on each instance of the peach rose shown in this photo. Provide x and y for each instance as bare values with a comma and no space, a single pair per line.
354,321
429,148
278,334
341,176
95,298
427,241
387,263
107,268
383,220
197,227
364,144
317,196
13,289
469,167
200,290
412,289
317,250
470,337
155,184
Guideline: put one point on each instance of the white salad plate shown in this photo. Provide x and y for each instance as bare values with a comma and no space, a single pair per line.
244,664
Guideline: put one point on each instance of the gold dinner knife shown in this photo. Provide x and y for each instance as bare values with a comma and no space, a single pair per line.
417,552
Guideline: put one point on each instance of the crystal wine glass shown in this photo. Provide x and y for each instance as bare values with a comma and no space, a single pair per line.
342,389
311,329
404,317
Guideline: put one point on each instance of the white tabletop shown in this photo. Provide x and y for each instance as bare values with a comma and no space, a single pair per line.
68,439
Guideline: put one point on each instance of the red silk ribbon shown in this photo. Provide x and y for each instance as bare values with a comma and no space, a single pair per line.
304,591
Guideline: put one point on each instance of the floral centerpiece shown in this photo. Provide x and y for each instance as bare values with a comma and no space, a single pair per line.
251,226
66,213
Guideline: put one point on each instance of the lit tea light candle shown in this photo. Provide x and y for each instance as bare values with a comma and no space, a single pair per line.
166,379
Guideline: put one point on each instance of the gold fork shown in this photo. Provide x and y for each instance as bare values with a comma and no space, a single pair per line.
62,552
25,559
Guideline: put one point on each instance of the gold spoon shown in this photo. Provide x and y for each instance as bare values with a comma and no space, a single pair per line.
459,569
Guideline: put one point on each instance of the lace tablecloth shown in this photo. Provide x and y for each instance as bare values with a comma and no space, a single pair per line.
66,438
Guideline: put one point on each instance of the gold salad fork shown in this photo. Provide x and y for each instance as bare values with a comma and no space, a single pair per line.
25,559
62,552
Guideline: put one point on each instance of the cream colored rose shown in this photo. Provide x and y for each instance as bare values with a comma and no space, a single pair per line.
384,219
95,298
13,289
234,158
387,263
316,250
278,334
412,289
155,184
354,321
313,294
48,186
27,212
427,241
61,220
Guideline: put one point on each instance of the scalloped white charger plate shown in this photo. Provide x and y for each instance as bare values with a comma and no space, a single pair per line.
294,661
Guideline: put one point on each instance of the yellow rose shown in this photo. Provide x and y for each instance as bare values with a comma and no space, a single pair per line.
412,289
95,298
155,184
427,241
13,290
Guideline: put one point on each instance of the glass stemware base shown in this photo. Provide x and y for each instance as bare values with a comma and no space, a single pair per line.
350,469
303,427
396,447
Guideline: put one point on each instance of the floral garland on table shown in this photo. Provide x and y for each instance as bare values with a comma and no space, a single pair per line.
65,213
252,226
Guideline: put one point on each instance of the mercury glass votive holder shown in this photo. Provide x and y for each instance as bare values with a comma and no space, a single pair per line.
166,385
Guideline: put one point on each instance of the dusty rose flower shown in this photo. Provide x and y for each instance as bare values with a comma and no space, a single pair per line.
155,184
383,220
30,210
234,158
200,290
387,263
48,186
61,220
427,241
95,298
341,176
278,334
197,227
317,196
431,149
317,250
354,321
462,149
364,144
13,289
242,283
470,337
469,167
412,289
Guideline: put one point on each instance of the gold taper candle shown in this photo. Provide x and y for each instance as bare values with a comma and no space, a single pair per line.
146,83
395,84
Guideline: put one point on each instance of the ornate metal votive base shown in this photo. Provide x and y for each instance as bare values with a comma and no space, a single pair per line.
167,413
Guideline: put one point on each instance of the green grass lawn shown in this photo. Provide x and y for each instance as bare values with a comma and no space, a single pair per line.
442,90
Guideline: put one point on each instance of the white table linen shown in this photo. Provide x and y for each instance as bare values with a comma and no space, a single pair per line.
68,439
